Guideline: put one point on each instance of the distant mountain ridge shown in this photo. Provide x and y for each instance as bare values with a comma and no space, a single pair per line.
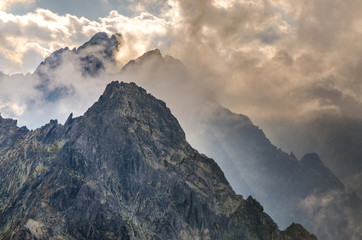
303,190
337,139
122,171
91,58
92,54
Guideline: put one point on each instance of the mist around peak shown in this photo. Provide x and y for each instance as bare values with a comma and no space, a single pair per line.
70,80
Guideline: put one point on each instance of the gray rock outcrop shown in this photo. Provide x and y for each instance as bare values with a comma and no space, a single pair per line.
122,171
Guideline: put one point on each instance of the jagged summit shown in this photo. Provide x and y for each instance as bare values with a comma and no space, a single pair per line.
108,45
126,98
92,55
122,171
153,53
90,60
98,38
311,159
152,66
153,56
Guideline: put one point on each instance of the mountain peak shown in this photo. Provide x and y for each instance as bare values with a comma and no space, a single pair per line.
150,55
311,159
122,171
92,58
151,58
155,52
107,45
127,100
102,39
101,36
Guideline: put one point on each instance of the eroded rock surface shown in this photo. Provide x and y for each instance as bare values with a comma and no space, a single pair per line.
122,171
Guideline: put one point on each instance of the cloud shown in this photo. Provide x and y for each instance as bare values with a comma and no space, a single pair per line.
342,212
5,4
270,59
154,7
16,91
28,38
240,43
44,31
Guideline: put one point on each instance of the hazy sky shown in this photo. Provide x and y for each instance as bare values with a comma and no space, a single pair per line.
268,59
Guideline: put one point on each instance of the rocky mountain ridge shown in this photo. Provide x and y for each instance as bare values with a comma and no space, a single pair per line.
122,171
290,189
304,190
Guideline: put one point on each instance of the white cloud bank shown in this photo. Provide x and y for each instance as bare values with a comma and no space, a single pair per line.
43,32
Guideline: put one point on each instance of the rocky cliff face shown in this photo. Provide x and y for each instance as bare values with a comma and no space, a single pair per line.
122,171
290,189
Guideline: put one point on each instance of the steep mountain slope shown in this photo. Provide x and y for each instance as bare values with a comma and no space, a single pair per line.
303,190
122,171
289,189
336,138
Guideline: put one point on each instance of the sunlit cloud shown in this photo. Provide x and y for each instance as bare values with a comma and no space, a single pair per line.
18,110
4,4
251,54
45,32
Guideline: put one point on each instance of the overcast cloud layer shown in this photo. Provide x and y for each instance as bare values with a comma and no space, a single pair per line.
267,59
